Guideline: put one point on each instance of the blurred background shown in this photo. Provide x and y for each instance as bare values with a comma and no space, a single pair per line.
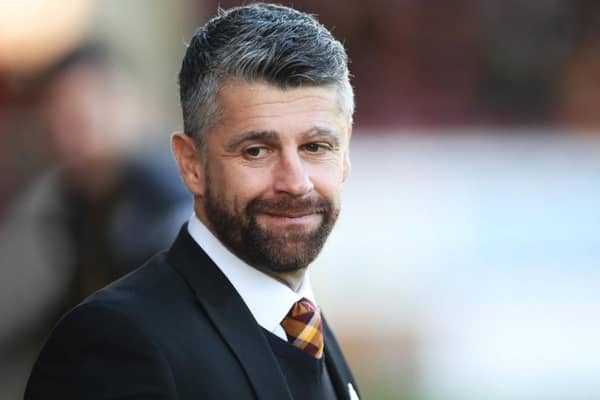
470,235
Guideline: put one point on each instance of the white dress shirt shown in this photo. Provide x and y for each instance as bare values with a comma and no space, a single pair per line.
268,299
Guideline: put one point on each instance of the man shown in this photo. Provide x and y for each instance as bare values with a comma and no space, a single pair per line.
228,312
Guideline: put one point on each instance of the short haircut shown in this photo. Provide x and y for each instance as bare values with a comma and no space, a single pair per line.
258,43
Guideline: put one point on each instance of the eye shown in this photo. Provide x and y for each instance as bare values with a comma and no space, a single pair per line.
317,147
256,152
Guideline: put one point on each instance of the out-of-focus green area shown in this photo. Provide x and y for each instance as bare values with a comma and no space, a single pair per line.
469,237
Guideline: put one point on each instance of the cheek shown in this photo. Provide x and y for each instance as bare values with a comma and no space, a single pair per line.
242,186
328,179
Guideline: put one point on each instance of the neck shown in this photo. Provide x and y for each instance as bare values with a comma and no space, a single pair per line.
291,279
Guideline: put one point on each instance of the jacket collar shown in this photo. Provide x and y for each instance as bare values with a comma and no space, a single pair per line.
336,365
230,316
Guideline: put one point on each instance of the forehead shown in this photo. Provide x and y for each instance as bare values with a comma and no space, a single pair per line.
260,105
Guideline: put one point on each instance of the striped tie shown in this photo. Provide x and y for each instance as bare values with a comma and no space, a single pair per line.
304,328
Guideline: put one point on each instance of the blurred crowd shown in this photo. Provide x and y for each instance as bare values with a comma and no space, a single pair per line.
84,197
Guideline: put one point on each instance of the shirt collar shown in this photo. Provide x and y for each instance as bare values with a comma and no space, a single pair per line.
268,299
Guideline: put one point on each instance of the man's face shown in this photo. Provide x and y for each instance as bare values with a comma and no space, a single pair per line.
273,173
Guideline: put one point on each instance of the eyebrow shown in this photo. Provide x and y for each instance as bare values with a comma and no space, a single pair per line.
274,137
264,136
320,132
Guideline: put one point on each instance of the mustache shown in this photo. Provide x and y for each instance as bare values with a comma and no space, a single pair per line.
289,205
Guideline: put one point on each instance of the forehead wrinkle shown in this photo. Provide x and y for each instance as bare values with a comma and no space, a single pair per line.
300,97
273,107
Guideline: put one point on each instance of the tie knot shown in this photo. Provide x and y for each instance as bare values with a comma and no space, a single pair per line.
304,328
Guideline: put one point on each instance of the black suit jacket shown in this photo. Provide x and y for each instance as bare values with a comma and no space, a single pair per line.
173,329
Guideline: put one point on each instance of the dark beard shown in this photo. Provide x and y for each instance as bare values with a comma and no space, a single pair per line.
268,251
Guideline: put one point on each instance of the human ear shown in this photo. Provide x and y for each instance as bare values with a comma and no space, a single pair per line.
190,163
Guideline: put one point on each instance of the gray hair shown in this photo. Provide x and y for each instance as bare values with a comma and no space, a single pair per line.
258,42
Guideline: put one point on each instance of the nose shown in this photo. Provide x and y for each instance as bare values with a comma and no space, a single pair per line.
291,177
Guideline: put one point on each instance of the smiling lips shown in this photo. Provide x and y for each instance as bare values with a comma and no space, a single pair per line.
290,214
288,218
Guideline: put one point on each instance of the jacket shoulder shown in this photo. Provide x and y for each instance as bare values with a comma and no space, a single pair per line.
97,351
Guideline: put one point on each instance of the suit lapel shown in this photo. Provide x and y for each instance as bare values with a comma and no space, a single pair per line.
230,316
336,365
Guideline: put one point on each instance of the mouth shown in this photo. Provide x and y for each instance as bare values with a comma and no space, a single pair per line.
290,215
284,219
